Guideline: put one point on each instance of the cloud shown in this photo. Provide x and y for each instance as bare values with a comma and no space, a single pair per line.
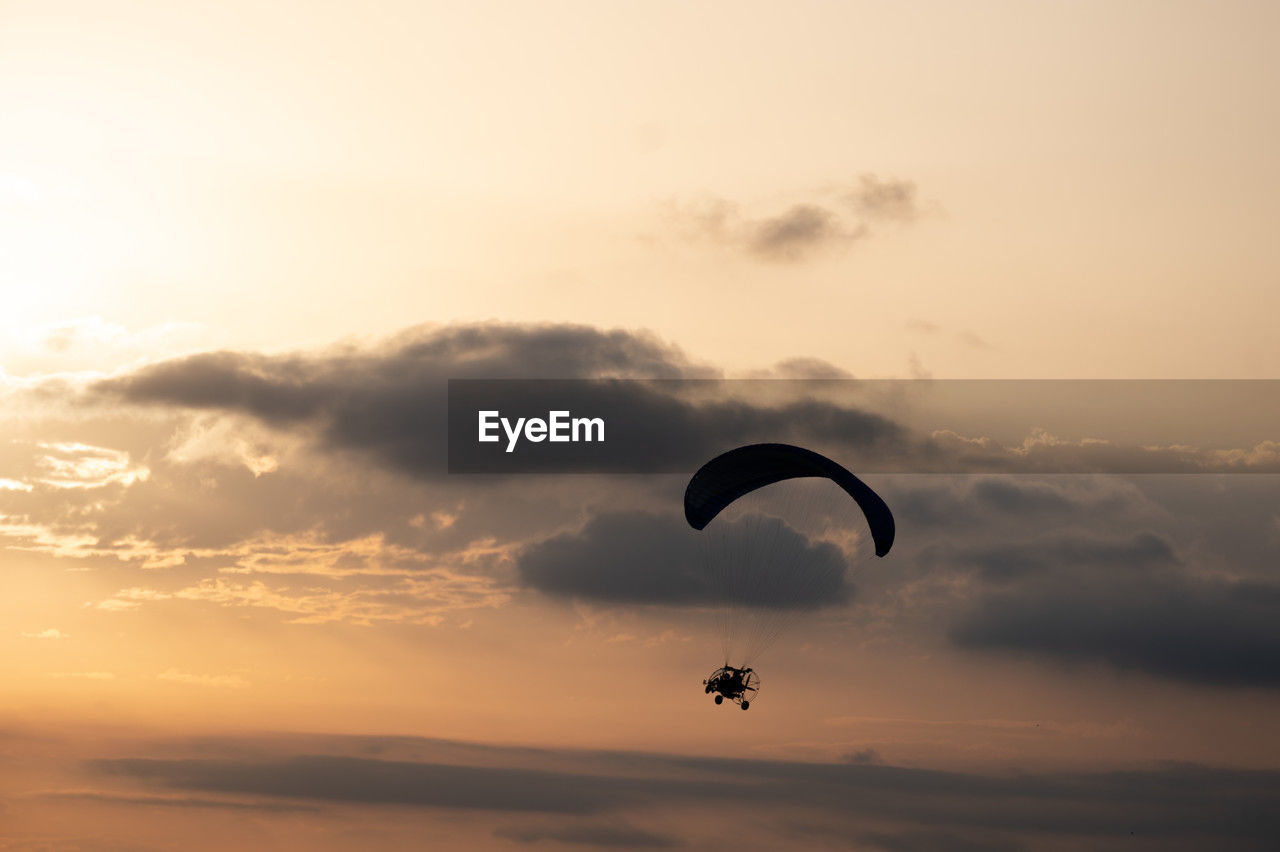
998,508
1176,806
391,403
885,199
1130,602
227,681
798,232
968,338
972,339
922,326
225,440
51,633
652,559
311,581
1020,498
927,841
864,756
361,526
803,369
97,798
599,835
391,399
1215,632
1041,451
1074,554
92,343
76,465
813,225
348,779
1164,577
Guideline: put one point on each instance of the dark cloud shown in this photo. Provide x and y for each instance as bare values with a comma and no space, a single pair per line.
1170,577
1199,631
885,199
288,388
349,779
1130,602
987,504
1074,555
1172,807
391,402
180,802
800,230
934,841
606,835
1020,498
645,558
864,756
1040,452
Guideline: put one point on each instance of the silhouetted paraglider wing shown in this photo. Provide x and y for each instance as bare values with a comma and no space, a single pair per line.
727,477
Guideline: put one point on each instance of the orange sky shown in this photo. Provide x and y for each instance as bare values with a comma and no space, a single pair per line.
1092,182
353,202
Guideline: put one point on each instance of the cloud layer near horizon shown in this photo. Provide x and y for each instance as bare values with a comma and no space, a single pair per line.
573,793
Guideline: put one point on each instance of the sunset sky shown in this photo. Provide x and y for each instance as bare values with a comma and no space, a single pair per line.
243,246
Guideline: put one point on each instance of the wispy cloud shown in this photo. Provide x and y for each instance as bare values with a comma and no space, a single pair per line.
817,223
51,633
312,582
232,681
886,199
575,791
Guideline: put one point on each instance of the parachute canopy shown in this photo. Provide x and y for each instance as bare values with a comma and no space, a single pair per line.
727,477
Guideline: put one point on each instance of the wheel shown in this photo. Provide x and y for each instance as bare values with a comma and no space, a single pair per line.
746,704
719,699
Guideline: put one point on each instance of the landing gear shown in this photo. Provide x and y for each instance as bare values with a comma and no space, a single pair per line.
738,685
